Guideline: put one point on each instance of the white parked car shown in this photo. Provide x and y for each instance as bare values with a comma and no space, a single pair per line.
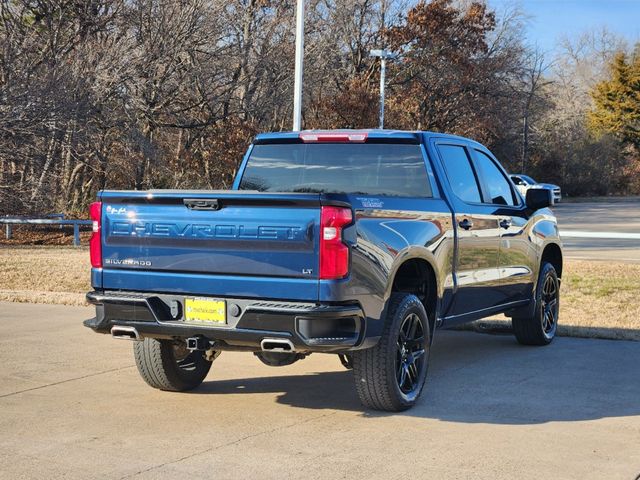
524,183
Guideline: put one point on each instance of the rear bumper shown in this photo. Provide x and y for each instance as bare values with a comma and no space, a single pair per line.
310,327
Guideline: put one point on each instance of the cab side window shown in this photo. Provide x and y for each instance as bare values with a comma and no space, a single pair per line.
460,173
497,185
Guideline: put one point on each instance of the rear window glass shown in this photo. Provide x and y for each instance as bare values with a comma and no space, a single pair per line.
461,176
368,169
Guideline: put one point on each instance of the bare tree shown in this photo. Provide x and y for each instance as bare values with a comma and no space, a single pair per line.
532,87
156,93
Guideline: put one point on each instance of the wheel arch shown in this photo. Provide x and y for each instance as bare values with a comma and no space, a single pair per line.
552,253
416,274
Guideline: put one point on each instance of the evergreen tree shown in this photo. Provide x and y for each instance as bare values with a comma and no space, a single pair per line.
617,101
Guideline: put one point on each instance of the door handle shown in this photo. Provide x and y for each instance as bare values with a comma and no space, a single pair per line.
505,223
466,224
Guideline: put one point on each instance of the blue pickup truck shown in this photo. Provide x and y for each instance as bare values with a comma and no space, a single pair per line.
355,243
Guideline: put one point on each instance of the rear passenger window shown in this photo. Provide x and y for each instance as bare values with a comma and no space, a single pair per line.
460,173
496,183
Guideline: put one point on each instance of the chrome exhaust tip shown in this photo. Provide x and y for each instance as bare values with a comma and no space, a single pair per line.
125,333
277,345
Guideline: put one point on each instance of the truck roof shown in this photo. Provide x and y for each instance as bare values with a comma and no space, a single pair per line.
377,134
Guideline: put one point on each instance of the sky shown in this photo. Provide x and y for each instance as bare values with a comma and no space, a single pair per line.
551,19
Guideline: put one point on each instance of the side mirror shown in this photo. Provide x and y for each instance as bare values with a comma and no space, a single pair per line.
538,198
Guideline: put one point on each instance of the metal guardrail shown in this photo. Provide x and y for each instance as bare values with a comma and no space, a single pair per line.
10,221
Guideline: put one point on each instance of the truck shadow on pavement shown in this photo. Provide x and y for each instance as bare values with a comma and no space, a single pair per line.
476,378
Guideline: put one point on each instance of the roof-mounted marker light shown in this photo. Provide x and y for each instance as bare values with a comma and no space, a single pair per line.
333,137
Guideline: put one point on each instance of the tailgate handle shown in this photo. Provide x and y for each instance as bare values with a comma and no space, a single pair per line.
202,204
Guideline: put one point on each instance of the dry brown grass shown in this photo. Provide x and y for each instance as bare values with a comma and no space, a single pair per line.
599,299
599,295
44,274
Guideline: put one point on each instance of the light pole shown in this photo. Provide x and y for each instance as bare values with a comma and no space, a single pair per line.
297,85
383,54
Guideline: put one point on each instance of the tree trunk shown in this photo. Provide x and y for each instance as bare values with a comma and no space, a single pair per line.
525,141
47,163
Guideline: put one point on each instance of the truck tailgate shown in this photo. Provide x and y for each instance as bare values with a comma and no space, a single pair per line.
186,235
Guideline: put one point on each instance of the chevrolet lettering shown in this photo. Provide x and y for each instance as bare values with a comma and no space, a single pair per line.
205,230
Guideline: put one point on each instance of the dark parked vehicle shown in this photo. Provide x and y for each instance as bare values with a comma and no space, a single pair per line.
356,243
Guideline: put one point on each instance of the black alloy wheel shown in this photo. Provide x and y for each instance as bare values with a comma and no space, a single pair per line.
410,358
550,306
186,360
538,326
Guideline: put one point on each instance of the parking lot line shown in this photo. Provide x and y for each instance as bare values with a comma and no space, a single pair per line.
611,235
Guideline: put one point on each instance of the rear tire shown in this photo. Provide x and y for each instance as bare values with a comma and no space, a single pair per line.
168,365
391,375
540,328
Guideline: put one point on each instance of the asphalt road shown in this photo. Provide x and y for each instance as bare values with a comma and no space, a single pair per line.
73,406
619,217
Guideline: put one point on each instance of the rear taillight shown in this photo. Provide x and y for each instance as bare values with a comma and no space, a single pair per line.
95,247
334,254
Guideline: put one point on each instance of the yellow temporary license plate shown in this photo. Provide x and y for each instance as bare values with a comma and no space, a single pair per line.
205,310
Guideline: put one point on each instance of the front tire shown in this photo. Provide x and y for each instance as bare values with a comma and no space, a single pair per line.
391,375
168,365
540,328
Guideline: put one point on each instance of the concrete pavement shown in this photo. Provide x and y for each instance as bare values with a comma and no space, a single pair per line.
73,406
619,218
